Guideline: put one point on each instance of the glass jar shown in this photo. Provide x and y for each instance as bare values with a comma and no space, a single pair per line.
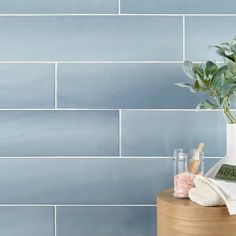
201,164
180,161
183,174
183,180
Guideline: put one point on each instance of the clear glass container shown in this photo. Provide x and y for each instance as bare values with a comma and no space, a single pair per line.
201,167
183,174
180,160
183,180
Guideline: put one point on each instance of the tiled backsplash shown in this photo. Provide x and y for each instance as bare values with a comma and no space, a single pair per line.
90,114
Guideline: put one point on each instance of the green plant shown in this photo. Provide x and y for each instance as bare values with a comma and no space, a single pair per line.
217,81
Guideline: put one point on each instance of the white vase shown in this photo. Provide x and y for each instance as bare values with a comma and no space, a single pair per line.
230,157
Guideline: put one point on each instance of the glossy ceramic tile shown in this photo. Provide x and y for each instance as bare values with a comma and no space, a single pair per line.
91,38
58,6
179,7
83,181
123,86
100,221
58,133
201,32
158,133
26,221
27,86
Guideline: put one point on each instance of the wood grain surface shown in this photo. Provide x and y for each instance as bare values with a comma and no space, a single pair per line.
182,217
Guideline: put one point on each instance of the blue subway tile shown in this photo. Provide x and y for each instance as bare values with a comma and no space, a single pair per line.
158,133
84,181
204,31
26,86
91,38
177,7
26,221
100,221
58,133
58,6
123,86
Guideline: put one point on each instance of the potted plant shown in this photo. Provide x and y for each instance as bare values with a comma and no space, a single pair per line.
218,83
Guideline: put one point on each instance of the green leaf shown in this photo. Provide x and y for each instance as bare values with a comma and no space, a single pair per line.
218,74
232,46
206,105
184,85
232,67
227,88
187,67
198,87
211,68
221,51
197,69
232,91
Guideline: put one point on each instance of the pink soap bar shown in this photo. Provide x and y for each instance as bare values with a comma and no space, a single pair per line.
182,184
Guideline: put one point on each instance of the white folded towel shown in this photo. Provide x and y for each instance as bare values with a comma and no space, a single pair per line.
203,194
212,192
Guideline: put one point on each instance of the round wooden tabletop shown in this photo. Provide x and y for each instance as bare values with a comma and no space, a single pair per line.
182,217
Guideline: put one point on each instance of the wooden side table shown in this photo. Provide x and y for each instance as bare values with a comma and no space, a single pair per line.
182,217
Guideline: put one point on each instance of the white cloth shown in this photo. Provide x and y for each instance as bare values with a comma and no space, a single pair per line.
203,194
212,192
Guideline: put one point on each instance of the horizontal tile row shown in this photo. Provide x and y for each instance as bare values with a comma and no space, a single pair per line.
31,181
84,181
101,38
59,133
58,6
96,133
73,221
109,86
111,6
158,133
118,86
26,221
202,32
100,221
90,38
180,7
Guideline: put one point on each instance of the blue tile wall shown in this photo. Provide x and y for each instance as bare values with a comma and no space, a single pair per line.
90,38
90,114
58,6
83,181
60,133
27,86
177,7
153,133
26,221
123,86
202,32
116,221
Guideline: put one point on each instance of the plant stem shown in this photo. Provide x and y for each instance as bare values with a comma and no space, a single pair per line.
229,115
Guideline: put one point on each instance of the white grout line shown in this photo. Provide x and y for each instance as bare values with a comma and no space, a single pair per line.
115,14
100,62
184,38
55,220
115,109
95,157
89,62
55,88
84,14
58,109
120,152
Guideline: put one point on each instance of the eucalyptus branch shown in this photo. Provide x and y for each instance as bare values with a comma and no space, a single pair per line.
218,83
